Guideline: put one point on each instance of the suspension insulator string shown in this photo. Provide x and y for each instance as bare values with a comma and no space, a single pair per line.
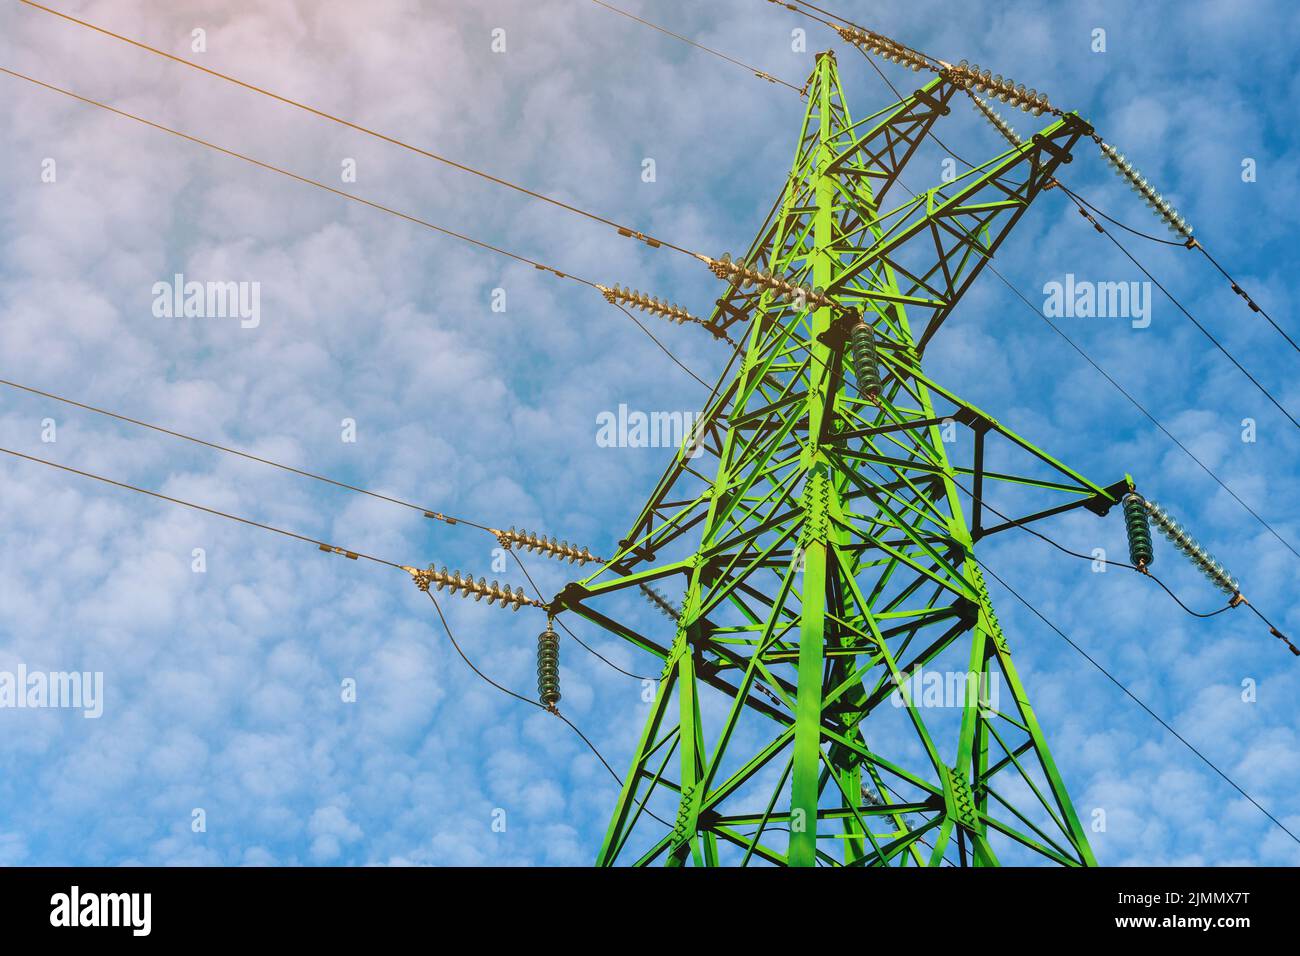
1002,126
647,303
742,275
866,361
551,548
562,551
1139,184
1189,546
664,606
1139,513
466,586
1138,528
548,667
969,76
882,45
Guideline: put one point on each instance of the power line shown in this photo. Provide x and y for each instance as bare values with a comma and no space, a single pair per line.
761,74
303,179
1142,408
1174,299
626,231
589,649
939,66
1251,303
1087,557
623,230
1114,680
1088,358
528,700
354,197
346,552
425,511
428,512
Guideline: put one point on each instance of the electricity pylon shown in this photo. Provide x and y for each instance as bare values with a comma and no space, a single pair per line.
816,528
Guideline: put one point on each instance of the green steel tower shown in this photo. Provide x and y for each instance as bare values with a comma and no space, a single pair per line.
836,687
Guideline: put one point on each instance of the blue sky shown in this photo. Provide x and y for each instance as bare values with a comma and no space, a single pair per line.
222,689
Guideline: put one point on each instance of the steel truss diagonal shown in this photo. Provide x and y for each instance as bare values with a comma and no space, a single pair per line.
819,535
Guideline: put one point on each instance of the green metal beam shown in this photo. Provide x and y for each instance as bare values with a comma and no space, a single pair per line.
822,548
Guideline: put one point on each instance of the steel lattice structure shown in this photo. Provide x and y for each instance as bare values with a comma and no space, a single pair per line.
822,550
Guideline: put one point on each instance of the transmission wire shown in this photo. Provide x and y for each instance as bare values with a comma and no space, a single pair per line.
761,74
1174,299
1136,404
528,700
464,167
1114,680
197,507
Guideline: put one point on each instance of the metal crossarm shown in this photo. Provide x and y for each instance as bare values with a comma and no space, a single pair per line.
817,551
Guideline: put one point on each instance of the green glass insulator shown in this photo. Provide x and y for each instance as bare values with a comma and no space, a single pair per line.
1138,529
548,667
866,363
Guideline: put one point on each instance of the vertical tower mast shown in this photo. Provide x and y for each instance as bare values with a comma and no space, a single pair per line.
825,563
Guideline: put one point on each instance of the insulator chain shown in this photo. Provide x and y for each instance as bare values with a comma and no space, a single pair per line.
743,275
664,605
647,303
564,551
1158,204
551,548
970,77
884,46
866,361
467,587
548,668
1138,529
1188,545
1001,125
